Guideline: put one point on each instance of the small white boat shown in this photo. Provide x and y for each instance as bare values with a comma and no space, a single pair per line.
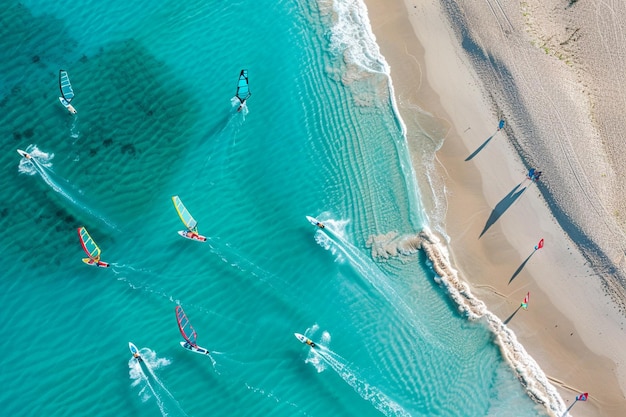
315,222
134,351
24,154
304,339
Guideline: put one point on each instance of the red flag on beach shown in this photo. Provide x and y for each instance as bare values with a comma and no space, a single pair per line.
539,245
525,302
582,397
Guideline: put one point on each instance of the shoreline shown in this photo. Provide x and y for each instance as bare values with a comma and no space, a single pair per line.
572,328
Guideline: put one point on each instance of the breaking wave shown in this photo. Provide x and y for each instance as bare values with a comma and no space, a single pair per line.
531,376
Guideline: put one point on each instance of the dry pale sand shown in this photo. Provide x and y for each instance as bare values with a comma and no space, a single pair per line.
554,71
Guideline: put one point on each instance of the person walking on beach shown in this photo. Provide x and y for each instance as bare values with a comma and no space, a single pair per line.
533,174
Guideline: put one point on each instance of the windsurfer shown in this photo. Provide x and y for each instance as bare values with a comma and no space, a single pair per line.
192,235
68,106
243,91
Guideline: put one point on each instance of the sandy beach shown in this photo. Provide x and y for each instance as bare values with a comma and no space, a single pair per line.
552,71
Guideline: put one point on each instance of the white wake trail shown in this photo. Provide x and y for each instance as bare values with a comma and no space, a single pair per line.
44,173
149,361
368,270
368,392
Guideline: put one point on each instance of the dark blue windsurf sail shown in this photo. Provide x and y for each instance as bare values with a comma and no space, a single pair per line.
243,90
66,87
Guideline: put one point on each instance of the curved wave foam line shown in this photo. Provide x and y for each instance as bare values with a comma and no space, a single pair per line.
352,36
523,365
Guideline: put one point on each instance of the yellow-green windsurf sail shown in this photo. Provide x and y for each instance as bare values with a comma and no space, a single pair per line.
89,246
190,223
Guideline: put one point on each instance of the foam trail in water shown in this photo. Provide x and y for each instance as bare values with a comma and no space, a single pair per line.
369,271
223,133
313,358
115,268
150,361
234,101
270,395
156,378
45,172
143,284
74,133
368,392
354,42
137,375
237,260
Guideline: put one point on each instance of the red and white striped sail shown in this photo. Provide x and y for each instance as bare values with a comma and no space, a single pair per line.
188,333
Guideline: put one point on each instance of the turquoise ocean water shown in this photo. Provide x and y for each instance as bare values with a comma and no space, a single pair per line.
154,82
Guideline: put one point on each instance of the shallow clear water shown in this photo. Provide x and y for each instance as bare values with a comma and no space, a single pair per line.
153,83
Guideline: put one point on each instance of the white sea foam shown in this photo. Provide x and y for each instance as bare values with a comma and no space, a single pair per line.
41,163
350,36
137,376
353,39
28,167
338,228
313,358
523,365
159,391
367,269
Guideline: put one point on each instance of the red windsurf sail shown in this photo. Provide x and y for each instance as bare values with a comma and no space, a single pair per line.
188,333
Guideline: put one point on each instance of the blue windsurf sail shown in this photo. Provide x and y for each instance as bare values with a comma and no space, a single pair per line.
66,87
243,90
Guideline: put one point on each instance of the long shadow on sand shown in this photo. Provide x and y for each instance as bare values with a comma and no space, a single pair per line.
519,269
512,315
503,206
480,148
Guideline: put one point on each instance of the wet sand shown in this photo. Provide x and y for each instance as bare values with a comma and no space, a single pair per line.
456,75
